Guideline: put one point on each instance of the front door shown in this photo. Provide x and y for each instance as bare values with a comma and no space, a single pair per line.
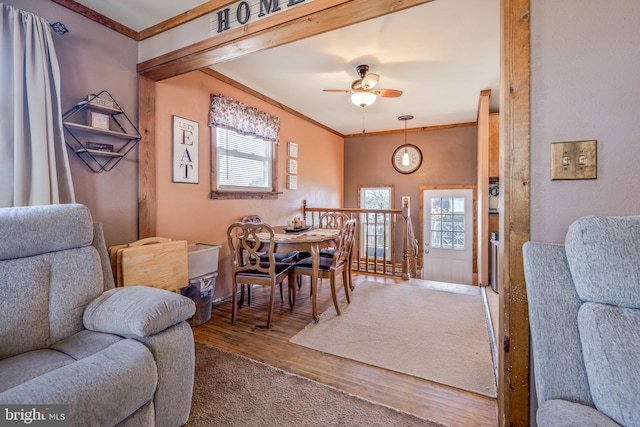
447,253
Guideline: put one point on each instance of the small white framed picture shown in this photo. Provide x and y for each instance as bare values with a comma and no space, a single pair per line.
292,182
292,149
292,166
98,120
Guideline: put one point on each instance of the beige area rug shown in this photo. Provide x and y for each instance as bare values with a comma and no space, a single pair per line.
231,390
435,335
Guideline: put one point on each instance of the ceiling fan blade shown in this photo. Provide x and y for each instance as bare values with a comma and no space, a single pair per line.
370,81
387,93
336,90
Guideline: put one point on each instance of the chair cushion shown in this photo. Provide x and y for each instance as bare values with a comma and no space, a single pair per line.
610,339
562,413
604,258
281,257
327,253
85,343
25,305
27,366
325,263
54,227
46,295
280,268
95,386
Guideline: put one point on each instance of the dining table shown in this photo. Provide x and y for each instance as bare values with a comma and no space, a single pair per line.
308,239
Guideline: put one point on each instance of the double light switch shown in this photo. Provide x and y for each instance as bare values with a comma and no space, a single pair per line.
574,160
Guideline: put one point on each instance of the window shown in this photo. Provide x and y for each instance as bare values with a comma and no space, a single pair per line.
243,155
447,223
375,227
243,163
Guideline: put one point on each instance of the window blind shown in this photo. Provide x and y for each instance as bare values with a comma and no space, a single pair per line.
243,162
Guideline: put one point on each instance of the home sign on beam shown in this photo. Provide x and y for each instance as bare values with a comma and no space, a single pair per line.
240,13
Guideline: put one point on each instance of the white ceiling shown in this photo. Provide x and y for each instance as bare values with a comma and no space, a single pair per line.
440,54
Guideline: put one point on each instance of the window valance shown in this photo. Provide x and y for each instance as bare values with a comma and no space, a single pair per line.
246,120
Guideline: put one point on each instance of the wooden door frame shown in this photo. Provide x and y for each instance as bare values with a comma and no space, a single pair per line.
515,118
514,228
474,190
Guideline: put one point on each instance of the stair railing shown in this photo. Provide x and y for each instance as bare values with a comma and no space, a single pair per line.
385,241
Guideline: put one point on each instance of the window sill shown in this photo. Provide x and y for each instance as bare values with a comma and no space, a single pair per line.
267,195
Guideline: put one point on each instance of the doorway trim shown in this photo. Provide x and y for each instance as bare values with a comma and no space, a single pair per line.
466,194
473,187
515,143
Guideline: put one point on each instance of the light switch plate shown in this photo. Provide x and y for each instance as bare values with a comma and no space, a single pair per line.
574,160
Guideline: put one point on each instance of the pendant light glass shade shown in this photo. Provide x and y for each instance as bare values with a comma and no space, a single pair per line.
406,161
363,99
405,158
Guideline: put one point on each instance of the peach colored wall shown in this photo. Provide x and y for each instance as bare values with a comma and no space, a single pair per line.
186,212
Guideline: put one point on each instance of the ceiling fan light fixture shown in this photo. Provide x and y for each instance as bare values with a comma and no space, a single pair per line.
370,81
363,99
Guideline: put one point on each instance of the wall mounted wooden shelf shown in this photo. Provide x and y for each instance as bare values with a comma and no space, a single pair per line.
100,149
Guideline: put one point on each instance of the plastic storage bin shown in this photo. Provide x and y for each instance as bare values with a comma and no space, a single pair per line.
202,259
200,291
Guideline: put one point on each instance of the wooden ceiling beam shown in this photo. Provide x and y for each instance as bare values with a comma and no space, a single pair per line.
295,24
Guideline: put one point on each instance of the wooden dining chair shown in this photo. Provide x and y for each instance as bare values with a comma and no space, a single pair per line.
330,267
290,257
252,265
333,219
256,219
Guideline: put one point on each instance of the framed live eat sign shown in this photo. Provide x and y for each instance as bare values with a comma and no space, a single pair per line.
185,150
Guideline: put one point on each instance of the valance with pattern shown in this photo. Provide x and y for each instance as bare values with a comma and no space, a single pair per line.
243,119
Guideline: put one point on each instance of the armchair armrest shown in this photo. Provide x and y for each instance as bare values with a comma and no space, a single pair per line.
136,310
562,413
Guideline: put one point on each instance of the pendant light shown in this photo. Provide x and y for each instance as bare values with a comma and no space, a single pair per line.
405,156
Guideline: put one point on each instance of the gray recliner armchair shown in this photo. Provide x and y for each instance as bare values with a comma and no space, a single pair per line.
116,356
584,312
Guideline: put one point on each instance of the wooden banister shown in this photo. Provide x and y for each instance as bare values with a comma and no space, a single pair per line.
376,241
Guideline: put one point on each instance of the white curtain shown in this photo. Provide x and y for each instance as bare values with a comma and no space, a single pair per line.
34,167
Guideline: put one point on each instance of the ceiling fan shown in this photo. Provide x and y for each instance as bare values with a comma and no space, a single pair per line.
362,90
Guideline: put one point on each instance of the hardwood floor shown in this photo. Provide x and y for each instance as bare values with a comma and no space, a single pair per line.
433,401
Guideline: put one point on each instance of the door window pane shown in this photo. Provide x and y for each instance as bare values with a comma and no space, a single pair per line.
447,223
